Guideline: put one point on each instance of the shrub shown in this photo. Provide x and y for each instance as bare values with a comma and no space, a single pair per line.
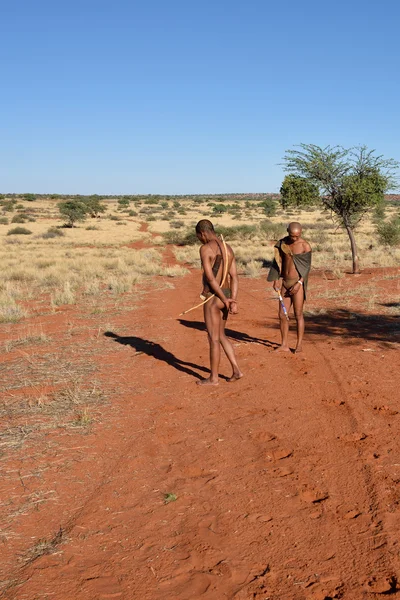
389,233
176,224
269,207
19,219
9,205
19,231
3,221
52,232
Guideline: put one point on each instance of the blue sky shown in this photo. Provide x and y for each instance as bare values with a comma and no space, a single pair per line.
189,97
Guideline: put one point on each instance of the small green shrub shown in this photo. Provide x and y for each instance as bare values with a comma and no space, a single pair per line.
389,233
3,221
19,231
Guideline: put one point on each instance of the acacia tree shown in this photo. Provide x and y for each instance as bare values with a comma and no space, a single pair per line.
298,191
349,181
73,211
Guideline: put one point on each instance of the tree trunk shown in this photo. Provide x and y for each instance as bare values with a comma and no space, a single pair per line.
353,248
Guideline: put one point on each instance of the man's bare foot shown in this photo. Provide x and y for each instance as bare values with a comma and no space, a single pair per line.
298,349
282,349
207,382
235,376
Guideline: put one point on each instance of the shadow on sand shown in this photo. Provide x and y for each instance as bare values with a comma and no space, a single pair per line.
354,326
234,335
158,352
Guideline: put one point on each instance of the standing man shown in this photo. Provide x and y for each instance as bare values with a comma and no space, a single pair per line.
289,272
220,288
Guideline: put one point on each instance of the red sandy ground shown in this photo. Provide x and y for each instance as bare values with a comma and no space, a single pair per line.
286,482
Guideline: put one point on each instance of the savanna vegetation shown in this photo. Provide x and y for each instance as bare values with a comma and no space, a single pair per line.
77,249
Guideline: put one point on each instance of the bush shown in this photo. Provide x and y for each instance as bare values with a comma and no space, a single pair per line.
3,221
19,231
9,205
272,231
18,219
269,207
176,224
181,238
389,233
52,232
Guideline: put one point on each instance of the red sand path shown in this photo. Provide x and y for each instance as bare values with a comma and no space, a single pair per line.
286,482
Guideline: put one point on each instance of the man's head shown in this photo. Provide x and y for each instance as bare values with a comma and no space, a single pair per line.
205,230
294,231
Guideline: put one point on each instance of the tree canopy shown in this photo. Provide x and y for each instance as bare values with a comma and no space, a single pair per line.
348,182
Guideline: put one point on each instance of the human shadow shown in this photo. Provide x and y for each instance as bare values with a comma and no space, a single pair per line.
235,335
351,326
158,352
390,304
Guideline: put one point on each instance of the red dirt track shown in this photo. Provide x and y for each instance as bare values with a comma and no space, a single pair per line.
286,482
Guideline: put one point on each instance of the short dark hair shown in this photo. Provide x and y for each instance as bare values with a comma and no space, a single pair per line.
204,225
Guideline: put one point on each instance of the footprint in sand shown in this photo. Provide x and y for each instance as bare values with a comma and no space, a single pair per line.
312,496
281,453
185,586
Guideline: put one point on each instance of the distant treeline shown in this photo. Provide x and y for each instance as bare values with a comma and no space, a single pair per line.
132,197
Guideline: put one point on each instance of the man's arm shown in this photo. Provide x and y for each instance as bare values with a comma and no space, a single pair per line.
234,286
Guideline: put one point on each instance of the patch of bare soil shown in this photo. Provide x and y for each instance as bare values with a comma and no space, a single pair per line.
281,486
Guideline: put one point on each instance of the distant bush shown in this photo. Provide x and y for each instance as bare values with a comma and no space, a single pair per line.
114,218
52,232
29,197
123,203
272,231
269,207
3,221
19,219
181,238
19,231
389,233
176,224
9,205
132,213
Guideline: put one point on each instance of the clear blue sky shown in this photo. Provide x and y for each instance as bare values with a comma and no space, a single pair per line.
182,97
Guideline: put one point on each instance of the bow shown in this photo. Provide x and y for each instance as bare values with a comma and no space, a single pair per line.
222,282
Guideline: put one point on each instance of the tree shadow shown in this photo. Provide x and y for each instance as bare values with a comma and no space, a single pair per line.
158,352
390,304
351,326
235,335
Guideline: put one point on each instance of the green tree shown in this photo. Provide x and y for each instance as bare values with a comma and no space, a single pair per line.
350,181
269,207
94,206
29,197
123,203
298,191
73,211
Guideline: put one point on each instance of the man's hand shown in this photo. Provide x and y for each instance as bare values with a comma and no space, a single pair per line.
231,305
294,289
277,285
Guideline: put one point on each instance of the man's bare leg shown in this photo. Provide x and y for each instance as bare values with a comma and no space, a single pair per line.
284,326
298,301
230,353
212,318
